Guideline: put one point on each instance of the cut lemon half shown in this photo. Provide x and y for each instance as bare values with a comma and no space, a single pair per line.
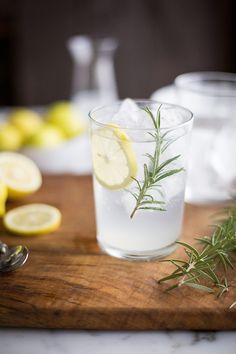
3,197
20,174
114,160
32,219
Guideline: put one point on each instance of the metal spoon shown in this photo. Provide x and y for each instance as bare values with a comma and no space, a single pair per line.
12,258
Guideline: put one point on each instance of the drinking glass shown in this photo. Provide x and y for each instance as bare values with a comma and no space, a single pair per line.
139,153
211,96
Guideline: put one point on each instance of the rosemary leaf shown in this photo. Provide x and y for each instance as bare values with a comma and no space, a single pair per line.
155,170
202,267
232,305
199,287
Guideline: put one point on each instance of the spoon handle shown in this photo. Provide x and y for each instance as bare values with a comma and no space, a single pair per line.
3,248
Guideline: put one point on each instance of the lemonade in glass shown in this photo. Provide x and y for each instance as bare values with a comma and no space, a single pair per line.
139,152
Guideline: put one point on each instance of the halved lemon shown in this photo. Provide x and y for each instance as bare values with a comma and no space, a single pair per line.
3,197
20,174
32,219
114,160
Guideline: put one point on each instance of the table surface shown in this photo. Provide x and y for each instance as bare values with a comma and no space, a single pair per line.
20,341
69,283
102,342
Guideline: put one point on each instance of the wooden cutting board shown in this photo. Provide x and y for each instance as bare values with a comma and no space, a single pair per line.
69,283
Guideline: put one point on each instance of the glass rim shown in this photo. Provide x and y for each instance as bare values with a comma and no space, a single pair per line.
182,82
119,102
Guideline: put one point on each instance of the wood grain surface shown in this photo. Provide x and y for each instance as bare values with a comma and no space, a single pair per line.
69,283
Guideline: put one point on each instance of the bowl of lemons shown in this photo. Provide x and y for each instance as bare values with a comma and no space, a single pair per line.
55,138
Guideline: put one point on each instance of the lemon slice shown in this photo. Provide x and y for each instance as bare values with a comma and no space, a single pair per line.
32,219
114,160
3,197
20,174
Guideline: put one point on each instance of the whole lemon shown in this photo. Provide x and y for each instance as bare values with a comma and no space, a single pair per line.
67,117
48,136
27,121
10,137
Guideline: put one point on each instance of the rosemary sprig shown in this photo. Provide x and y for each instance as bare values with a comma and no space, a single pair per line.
155,171
202,268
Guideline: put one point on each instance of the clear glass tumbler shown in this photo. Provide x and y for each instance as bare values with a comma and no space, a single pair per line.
139,151
211,96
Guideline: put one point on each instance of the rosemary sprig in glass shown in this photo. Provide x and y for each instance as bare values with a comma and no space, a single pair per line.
155,170
202,268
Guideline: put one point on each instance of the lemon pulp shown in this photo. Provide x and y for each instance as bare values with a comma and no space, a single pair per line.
114,160
20,174
32,219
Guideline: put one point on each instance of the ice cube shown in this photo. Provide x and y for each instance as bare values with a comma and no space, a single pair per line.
128,105
204,184
130,115
172,116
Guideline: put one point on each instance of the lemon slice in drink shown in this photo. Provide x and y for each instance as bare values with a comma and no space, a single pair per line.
32,219
114,160
20,174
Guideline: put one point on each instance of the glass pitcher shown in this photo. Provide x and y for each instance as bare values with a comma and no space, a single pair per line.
93,81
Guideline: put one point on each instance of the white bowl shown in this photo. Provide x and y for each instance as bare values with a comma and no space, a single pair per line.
72,156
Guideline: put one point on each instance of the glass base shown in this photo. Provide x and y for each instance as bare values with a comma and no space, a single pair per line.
138,256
